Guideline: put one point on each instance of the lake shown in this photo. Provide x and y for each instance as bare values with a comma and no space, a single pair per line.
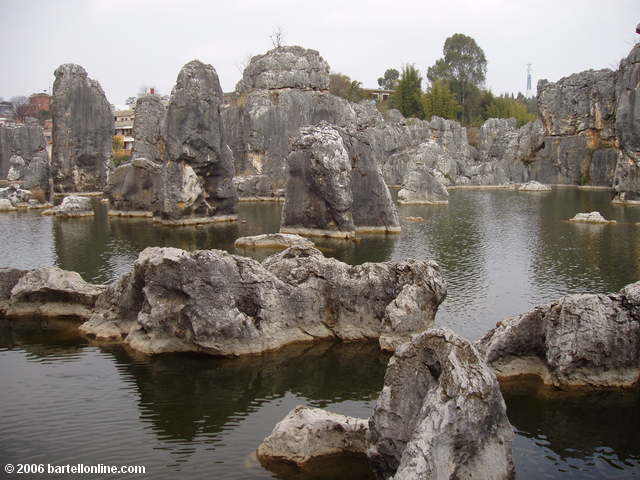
501,252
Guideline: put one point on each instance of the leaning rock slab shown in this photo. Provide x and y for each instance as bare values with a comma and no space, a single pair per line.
440,414
585,340
308,433
52,292
591,217
422,187
212,302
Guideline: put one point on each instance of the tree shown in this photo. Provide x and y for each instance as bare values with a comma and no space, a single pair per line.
19,100
277,37
408,94
342,86
506,106
439,101
389,80
131,101
463,65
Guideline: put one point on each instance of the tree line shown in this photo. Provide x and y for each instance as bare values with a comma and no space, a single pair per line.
455,90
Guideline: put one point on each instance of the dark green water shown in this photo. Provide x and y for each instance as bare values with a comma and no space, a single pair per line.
64,401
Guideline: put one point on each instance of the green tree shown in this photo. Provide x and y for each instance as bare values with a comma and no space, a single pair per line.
342,86
439,101
388,82
464,66
408,94
506,106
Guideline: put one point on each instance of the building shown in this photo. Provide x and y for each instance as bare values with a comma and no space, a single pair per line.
378,94
7,113
123,117
42,101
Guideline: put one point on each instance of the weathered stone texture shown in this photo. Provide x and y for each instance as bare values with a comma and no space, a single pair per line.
147,129
135,186
23,157
221,304
83,128
198,167
583,340
440,414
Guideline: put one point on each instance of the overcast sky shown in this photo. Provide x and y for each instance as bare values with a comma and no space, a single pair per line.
125,44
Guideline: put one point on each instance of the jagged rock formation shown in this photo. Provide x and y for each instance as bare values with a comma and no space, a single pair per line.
134,188
578,115
83,127
72,206
198,166
582,340
280,91
627,175
18,197
147,129
49,292
221,304
591,217
308,433
24,159
440,414
422,187
335,186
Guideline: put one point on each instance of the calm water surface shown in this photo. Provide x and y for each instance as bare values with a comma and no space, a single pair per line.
65,401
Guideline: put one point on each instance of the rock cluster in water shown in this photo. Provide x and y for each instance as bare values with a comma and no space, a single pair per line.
72,206
83,128
584,340
334,187
440,415
221,304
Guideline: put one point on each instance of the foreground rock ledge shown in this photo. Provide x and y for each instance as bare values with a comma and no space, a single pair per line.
309,433
213,302
440,415
586,340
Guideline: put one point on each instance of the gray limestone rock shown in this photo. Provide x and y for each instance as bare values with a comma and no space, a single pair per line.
6,205
9,277
147,129
440,414
583,340
591,217
534,186
23,157
273,240
423,187
308,433
335,186
221,304
627,175
51,292
17,196
83,127
285,67
198,167
135,186
72,206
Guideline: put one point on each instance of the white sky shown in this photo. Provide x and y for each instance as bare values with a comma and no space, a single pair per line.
125,44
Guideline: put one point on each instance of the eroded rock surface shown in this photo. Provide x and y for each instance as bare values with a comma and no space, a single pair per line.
147,129
221,304
134,187
83,127
308,433
273,240
9,277
335,186
23,157
584,340
440,414
198,167
72,206
50,292
591,217
422,186
534,186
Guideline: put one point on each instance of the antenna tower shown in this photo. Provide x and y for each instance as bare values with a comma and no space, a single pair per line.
528,79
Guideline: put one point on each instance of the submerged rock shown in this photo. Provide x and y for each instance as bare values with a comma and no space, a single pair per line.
308,433
83,128
221,304
273,240
72,206
23,157
51,292
591,217
583,340
334,187
534,186
440,414
198,168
